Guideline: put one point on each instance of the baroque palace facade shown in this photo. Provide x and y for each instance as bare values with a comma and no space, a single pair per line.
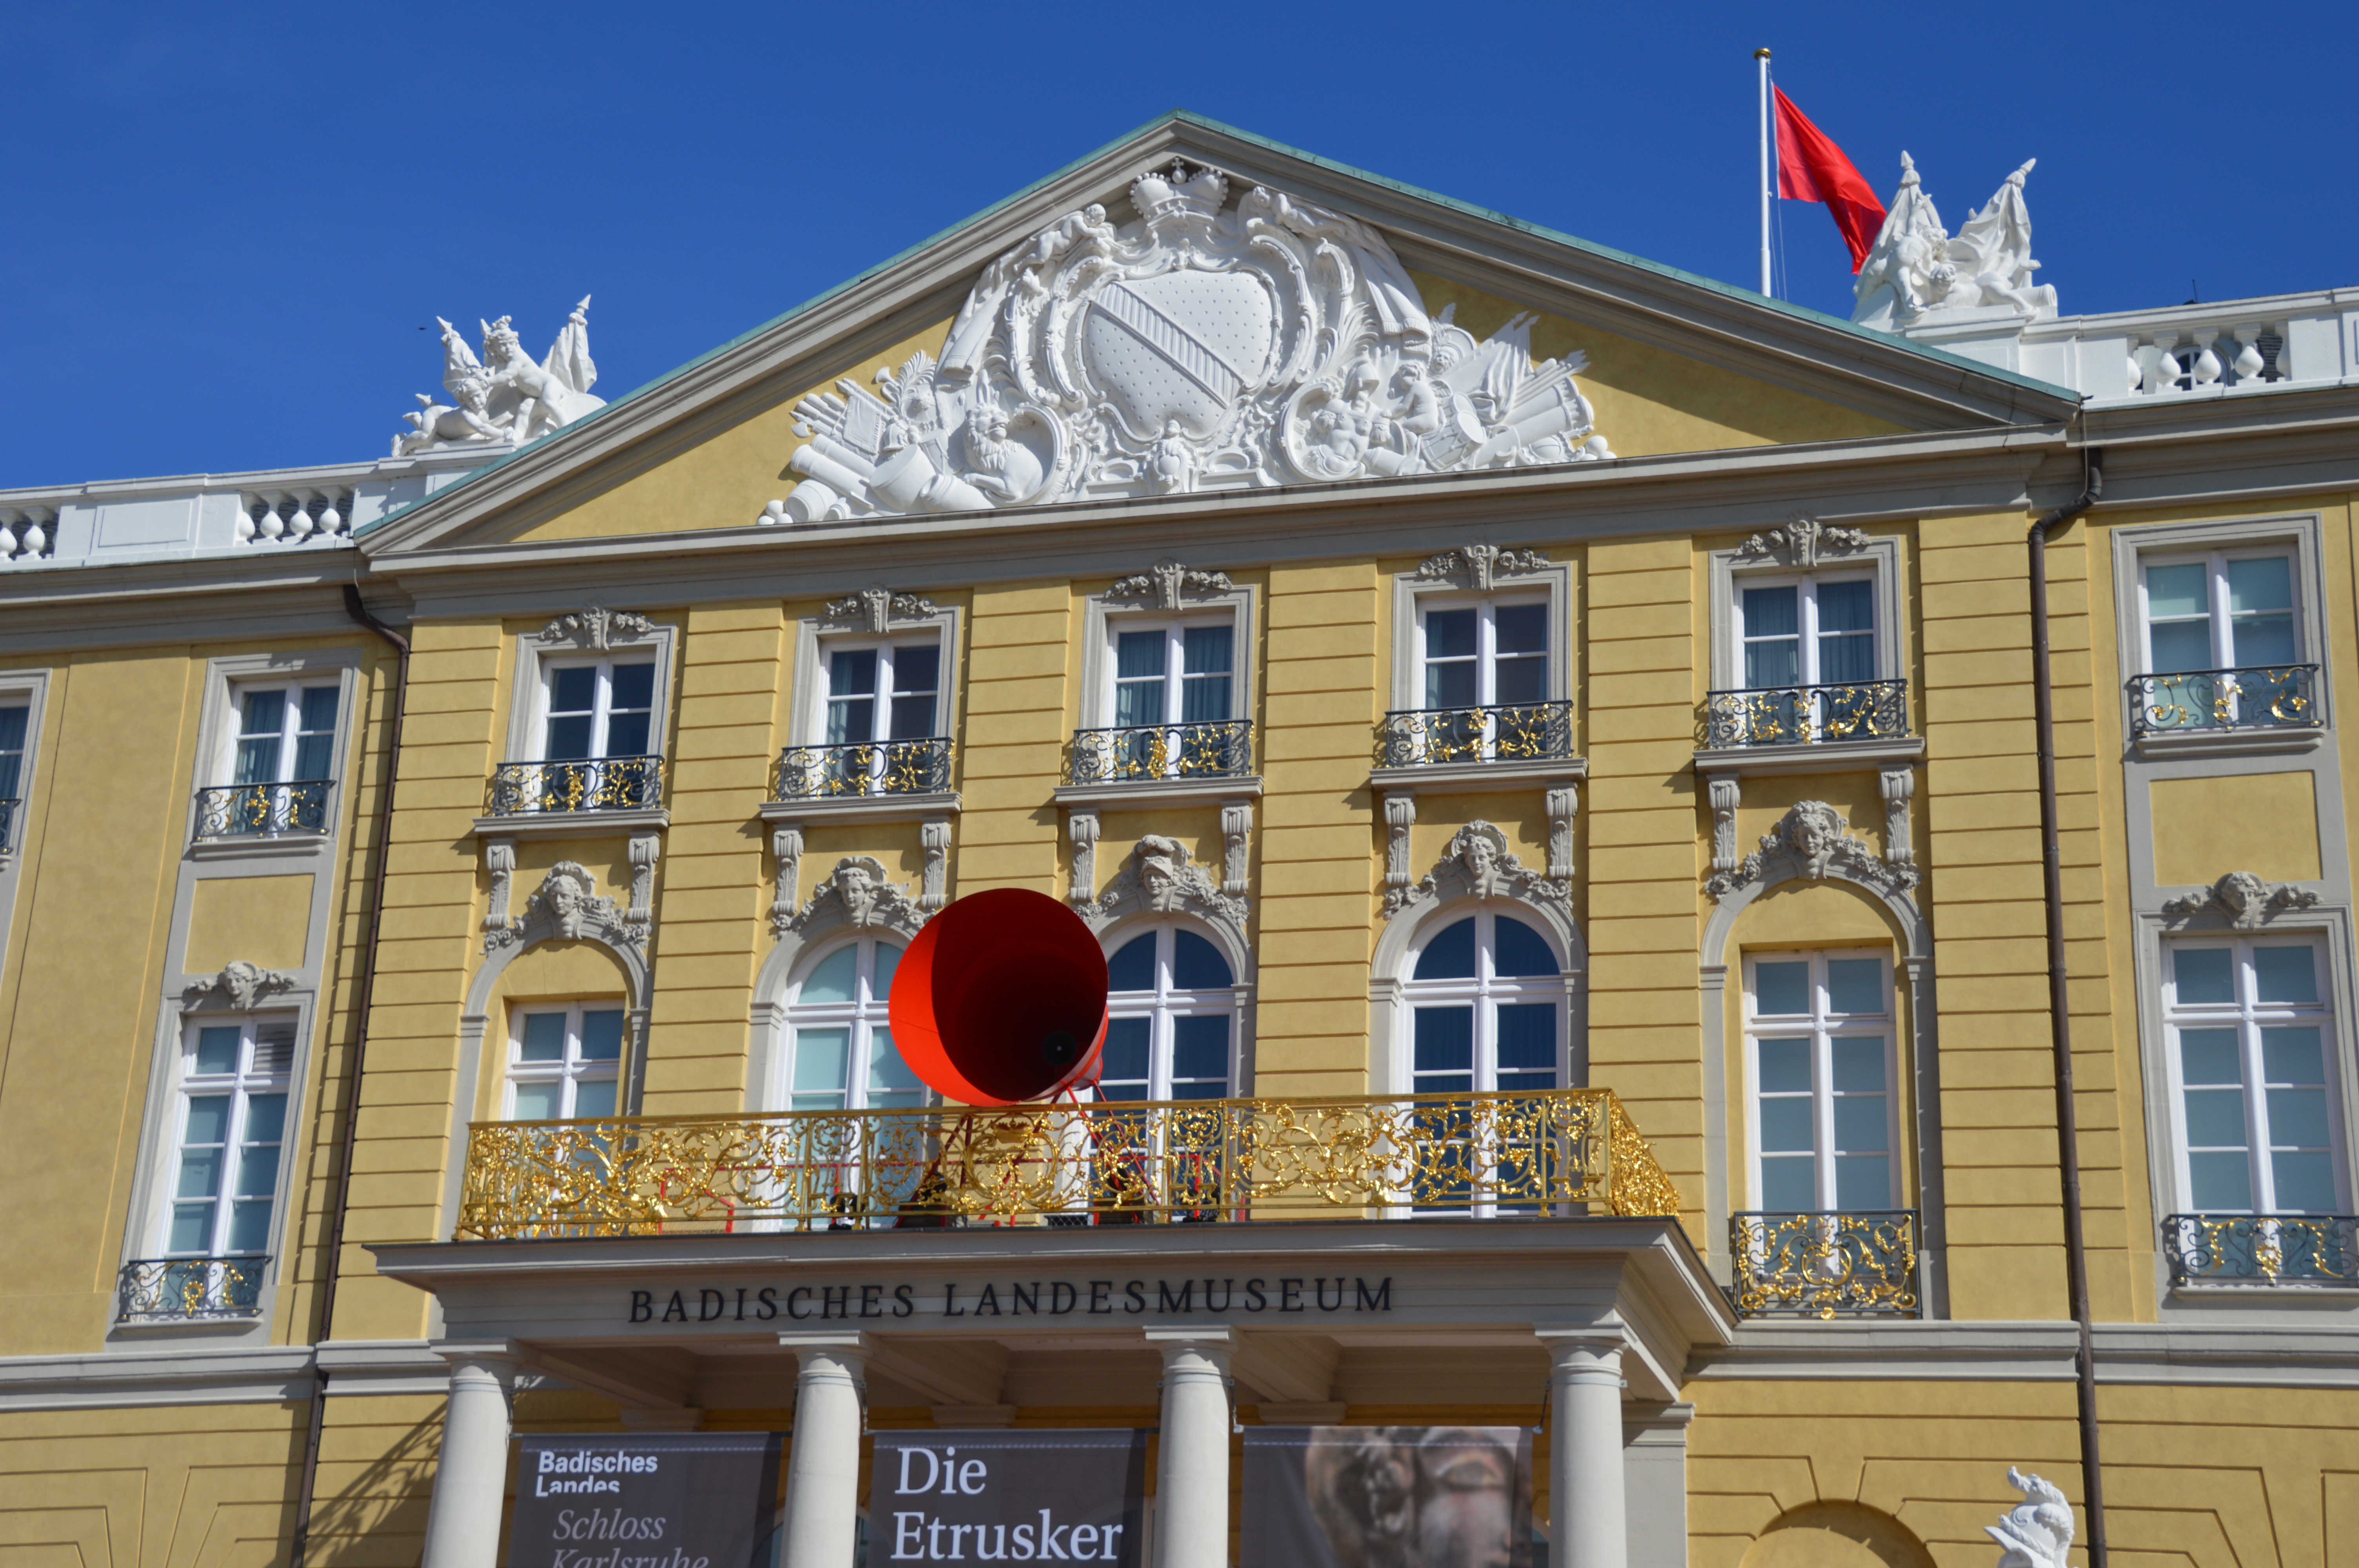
1552,750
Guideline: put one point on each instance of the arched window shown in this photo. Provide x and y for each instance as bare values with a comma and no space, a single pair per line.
840,1047
1172,1034
1487,1005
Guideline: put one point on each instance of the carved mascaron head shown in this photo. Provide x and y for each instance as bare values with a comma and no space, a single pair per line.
858,889
1813,832
1481,848
1160,861
567,896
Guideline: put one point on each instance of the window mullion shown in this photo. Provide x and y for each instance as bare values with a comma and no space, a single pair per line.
290,721
1807,621
2223,632
1175,672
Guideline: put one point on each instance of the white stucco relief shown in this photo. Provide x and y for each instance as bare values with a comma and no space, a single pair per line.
2037,1531
1222,340
504,399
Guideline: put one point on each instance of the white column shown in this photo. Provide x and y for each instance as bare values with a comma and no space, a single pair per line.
823,1461
1588,1516
1191,1480
471,1478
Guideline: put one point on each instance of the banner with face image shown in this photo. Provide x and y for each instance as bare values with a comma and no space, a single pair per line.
1389,1497
1007,1497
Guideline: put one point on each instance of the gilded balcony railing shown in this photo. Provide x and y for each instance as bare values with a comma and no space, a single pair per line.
2260,697
1815,1265
1807,714
1541,1151
181,1288
1211,750
1425,737
2262,1248
595,784
867,767
232,811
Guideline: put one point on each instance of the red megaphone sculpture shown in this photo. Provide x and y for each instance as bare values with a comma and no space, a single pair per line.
1002,998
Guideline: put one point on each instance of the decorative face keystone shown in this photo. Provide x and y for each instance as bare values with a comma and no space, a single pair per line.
858,890
1814,831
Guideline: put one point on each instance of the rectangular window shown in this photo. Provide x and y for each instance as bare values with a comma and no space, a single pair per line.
12,768
1477,655
889,692
284,733
1174,674
229,1126
1819,1029
565,1062
2223,645
2257,1056
600,709
1809,632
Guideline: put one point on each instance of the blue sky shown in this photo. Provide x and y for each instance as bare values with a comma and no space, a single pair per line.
229,222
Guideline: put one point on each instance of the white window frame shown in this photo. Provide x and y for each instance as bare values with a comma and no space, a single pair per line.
1483,992
601,710
1876,557
574,1070
824,697
1174,630
2217,614
1823,1027
240,1085
859,1017
1166,1003
529,687
290,728
1486,670
2162,542
1807,585
227,681
1103,617
2248,1017
816,637
28,689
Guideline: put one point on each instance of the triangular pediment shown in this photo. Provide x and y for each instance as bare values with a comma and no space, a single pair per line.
1194,312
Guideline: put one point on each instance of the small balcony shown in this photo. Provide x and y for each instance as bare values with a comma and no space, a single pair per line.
1807,714
1439,737
585,784
261,810
1161,753
2206,702
2260,1250
1822,1265
864,769
1539,1152
191,1289
9,811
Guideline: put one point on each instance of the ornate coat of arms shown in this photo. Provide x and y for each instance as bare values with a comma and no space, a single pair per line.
1207,344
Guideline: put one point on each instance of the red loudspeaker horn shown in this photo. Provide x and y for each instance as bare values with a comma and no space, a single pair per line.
1002,998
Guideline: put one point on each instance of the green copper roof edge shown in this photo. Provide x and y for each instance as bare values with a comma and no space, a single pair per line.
1183,116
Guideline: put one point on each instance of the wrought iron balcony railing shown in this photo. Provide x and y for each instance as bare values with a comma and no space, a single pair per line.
865,768
1425,737
190,1289
8,810
1128,1162
1815,1265
2262,1249
1807,714
234,811
1219,749
596,784
2261,697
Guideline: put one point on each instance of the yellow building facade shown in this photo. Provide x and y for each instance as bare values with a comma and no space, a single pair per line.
447,954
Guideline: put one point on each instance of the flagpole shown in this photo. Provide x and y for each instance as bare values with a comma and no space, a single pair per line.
1763,56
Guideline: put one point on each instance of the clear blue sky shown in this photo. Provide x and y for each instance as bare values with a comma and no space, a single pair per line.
228,222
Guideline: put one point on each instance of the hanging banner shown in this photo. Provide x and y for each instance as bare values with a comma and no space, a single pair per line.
1007,1497
1389,1497
688,1499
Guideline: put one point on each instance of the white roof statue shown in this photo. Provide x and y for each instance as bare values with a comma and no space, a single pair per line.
2037,1532
1917,275
1205,344
508,400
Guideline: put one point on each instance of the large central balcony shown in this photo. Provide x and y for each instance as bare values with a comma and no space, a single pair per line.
1539,1152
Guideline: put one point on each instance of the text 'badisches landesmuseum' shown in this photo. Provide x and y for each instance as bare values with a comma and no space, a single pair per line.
1558,755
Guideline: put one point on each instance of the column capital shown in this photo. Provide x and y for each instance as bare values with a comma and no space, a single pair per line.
460,1352
837,1344
1211,1346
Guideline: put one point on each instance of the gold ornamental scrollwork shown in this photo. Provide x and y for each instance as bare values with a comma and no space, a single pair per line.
1532,1152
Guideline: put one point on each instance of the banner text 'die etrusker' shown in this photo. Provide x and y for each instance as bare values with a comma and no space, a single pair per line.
1006,1496
661,1500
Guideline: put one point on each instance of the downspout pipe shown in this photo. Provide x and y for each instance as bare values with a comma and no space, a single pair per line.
347,1138
2060,1011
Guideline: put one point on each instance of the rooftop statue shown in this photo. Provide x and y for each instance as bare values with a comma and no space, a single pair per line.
504,397
1212,341
1919,275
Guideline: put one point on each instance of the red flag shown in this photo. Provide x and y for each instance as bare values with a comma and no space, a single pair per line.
1812,169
